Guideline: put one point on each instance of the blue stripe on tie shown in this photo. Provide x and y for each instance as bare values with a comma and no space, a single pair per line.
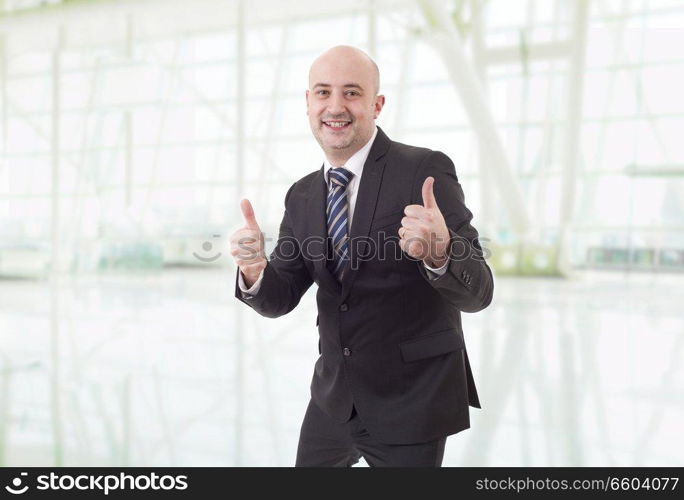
337,211
335,204
338,174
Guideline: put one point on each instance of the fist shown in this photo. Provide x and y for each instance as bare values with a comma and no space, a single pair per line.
247,246
423,233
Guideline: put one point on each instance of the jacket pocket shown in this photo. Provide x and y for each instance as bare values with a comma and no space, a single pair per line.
431,345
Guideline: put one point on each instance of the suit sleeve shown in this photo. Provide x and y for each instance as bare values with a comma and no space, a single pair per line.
468,283
285,278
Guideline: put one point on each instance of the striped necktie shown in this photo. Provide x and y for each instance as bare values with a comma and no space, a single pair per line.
337,213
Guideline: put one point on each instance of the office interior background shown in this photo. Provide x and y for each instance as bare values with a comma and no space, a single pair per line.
130,130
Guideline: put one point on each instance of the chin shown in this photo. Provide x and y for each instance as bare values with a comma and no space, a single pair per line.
339,145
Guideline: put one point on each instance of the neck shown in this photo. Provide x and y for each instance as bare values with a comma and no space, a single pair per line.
337,158
338,161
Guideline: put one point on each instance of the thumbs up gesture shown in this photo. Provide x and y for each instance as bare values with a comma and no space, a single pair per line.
423,233
247,245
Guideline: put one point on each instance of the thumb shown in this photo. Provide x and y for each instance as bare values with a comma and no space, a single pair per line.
248,214
429,200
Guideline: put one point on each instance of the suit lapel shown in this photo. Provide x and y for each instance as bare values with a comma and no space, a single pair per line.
318,231
364,209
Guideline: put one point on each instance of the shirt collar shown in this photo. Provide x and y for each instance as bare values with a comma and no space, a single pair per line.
356,162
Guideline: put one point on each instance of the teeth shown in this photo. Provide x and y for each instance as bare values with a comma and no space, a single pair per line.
336,124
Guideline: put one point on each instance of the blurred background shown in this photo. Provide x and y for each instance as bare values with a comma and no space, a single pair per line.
129,131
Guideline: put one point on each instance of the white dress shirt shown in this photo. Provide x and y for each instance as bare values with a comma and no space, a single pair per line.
355,166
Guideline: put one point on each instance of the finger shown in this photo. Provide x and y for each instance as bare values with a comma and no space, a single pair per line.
244,234
410,235
248,214
417,211
408,246
415,246
429,200
246,243
248,264
404,233
245,259
411,223
244,252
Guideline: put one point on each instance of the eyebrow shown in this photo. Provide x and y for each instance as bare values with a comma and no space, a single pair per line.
346,85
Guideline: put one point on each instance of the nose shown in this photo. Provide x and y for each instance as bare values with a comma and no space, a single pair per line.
336,104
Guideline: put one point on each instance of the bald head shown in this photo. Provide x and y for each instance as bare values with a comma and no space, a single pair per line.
345,58
342,101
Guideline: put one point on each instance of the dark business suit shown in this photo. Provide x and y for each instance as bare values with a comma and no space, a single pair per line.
390,338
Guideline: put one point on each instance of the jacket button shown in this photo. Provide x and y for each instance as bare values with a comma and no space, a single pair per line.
346,351
344,307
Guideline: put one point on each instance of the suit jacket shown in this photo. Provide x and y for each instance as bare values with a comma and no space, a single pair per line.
390,337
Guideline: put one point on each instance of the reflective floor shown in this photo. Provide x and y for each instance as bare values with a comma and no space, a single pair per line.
169,369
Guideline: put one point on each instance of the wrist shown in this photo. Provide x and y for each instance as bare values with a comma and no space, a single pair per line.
437,262
252,272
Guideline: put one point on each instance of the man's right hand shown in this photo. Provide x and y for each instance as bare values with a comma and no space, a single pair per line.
247,246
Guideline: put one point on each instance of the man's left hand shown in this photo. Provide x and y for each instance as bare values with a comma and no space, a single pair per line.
423,233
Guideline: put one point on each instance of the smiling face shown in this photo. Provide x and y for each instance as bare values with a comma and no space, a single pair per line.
342,101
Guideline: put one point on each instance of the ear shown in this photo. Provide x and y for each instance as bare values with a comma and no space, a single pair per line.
306,95
379,103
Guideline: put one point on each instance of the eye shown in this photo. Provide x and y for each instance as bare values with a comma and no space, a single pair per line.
353,92
322,92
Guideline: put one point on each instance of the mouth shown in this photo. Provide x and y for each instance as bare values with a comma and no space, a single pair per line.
337,125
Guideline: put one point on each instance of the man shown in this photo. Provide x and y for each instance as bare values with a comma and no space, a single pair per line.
393,378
